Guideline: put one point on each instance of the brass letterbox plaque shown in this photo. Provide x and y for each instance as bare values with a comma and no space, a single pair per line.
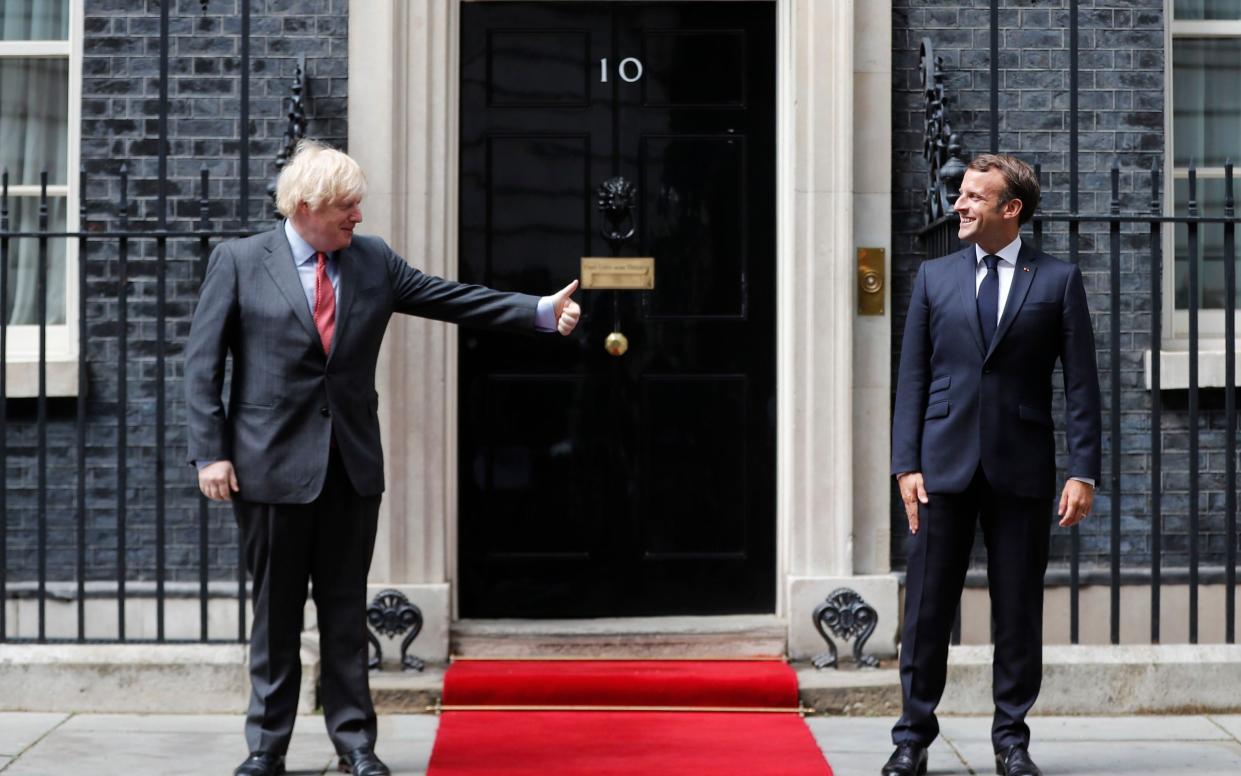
870,274
625,274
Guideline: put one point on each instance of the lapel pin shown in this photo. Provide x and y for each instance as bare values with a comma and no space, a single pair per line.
1025,269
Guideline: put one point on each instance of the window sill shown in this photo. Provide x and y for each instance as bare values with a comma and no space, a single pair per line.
22,378
1174,367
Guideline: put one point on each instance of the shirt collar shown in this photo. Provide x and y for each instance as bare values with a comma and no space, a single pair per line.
1008,253
302,251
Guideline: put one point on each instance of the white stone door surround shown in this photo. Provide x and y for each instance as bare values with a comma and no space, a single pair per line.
833,384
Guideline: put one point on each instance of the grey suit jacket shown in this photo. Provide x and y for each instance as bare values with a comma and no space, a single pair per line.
286,397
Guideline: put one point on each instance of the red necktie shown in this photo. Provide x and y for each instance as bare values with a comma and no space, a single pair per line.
325,303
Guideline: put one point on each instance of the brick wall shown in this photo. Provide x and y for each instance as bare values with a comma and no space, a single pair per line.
120,98
1121,118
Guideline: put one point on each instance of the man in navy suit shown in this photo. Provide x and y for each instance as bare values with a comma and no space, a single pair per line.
972,441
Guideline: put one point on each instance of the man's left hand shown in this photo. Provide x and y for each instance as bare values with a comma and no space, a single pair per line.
1075,502
567,311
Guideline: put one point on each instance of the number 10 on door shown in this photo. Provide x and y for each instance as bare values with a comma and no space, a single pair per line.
629,70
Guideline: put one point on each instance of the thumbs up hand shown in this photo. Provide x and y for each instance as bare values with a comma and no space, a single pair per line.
567,311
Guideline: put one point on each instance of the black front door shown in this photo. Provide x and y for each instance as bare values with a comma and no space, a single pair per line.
640,484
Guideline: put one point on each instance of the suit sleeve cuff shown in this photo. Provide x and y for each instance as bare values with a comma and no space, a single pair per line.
545,315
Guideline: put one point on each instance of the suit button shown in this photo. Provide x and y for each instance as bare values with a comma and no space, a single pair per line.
325,412
986,371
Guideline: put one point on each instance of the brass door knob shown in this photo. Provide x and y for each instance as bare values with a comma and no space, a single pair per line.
616,344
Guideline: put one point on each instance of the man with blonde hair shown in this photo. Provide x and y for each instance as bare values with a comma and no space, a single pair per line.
302,309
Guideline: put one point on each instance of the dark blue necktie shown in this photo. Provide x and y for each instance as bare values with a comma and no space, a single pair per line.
989,300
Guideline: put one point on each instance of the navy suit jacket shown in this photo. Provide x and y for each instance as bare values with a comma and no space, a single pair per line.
959,406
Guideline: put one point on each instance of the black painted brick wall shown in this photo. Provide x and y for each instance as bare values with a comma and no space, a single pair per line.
1121,119
120,102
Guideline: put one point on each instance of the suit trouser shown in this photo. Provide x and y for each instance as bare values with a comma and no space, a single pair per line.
1016,532
328,542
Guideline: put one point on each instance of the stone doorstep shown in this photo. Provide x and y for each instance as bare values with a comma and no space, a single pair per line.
621,637
201,678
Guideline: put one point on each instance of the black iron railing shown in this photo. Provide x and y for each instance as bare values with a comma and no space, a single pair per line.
122,237
939,237
109,245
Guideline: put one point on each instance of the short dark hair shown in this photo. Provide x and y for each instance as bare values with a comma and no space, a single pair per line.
1020,182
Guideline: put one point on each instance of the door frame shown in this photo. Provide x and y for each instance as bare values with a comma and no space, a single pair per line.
403,98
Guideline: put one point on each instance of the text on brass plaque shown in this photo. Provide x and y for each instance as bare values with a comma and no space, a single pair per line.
626,274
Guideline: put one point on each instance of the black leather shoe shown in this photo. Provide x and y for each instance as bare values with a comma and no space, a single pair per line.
261,764
907,760
1015,761
363,762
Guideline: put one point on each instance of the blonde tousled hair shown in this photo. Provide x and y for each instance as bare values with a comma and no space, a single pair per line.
318,175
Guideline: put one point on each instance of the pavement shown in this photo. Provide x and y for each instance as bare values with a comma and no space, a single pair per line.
41,744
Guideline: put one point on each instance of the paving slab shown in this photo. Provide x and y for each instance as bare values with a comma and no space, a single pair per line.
854,735
19,730
405,742
106,744
859,746
1231,723
1120,758
1135,728
941,760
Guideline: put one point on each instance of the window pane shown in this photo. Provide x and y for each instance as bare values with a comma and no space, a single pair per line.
34,125
1206,97
34,19
1207,9
23,303
1210,246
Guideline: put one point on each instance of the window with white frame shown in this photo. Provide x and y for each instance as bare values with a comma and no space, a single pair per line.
40,66
1204,66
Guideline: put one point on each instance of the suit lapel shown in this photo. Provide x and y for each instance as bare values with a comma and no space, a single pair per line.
346,265
279,264
1023,276
967,282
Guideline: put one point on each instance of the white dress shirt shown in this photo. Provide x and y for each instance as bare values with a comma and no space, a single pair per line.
1006,266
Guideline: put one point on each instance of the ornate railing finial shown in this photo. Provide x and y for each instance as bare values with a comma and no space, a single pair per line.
391,614
297,123
941,146
847,615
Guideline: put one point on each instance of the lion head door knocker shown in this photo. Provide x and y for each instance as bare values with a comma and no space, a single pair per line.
616,198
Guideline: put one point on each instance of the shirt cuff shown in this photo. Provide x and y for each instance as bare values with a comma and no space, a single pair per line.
203,464
545,315
1086,480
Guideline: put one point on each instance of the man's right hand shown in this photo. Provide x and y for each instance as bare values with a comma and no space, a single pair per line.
218,481
912,492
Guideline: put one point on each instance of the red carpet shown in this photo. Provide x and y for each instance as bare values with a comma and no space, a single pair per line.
593,727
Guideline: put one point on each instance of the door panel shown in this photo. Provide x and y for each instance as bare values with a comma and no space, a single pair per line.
694,474
594,485
694,221
677,60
